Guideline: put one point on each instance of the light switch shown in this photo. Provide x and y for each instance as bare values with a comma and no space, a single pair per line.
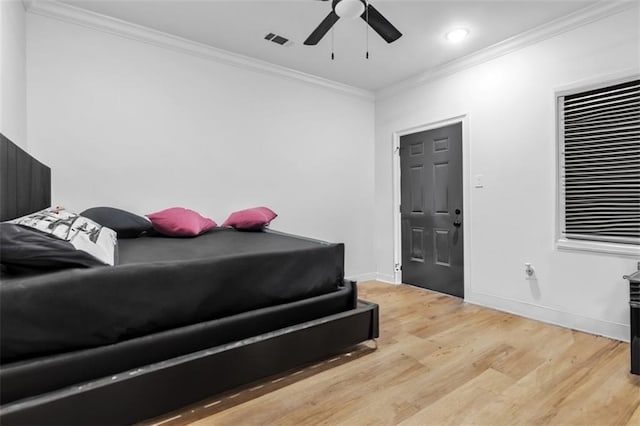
478,181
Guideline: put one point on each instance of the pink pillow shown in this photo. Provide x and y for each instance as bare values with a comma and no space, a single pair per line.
180,222
255,218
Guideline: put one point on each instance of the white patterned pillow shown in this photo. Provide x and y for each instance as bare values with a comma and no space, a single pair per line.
83,233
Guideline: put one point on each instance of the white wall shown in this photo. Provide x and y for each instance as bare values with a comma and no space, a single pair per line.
128,124
131,125
509,103
13,94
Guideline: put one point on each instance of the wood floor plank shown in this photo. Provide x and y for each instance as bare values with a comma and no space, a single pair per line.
442,361
607,384
635,417
457,407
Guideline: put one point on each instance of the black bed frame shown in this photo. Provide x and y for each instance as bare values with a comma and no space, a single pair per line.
156,388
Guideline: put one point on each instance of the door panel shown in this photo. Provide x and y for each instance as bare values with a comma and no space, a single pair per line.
417,190
441,248
416,244
441,188
431,192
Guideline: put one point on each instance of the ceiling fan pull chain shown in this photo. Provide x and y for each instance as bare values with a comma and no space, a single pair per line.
367,26
332,45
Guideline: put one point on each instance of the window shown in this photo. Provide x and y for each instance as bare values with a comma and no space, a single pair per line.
599,164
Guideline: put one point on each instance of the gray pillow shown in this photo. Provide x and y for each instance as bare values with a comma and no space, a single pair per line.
126,225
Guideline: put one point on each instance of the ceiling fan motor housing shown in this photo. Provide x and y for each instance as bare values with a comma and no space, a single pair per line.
349,9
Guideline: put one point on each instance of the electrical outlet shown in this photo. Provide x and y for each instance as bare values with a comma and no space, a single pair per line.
529,272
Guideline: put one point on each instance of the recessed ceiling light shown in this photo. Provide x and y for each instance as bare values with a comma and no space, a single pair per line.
457,35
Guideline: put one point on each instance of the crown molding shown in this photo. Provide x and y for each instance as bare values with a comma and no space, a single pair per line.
118,27
584,16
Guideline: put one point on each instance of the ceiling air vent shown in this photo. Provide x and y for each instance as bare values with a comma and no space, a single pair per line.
278,39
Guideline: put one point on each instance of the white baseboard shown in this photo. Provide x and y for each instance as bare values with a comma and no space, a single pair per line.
386,278
552,316
372,276
367,276
545,314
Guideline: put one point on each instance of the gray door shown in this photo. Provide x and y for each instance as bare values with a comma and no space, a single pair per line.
431,209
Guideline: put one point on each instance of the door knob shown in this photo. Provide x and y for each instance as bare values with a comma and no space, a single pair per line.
456,221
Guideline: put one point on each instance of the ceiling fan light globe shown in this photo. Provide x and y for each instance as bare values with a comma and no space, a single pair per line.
349,9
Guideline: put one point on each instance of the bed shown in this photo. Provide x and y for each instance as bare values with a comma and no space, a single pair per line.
110,345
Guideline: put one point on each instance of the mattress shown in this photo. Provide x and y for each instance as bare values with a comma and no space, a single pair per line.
160,284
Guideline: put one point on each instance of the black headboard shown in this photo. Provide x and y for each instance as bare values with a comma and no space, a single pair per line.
25,183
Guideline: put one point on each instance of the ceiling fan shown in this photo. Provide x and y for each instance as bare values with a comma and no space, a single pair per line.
353,9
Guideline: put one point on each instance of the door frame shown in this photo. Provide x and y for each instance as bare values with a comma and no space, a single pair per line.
466,194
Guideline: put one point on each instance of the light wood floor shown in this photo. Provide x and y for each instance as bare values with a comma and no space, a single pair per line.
440,361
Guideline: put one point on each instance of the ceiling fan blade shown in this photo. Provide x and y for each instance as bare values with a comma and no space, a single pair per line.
322,29
380,25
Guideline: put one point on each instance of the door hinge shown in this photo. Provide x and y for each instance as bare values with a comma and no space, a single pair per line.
398,267
397,150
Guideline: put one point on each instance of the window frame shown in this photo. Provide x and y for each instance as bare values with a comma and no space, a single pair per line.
561,241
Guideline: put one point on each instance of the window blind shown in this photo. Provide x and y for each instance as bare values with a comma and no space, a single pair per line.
600,163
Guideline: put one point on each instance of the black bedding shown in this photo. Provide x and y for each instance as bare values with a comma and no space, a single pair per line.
159,284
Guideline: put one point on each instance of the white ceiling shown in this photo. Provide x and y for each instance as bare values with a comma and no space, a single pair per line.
239,26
